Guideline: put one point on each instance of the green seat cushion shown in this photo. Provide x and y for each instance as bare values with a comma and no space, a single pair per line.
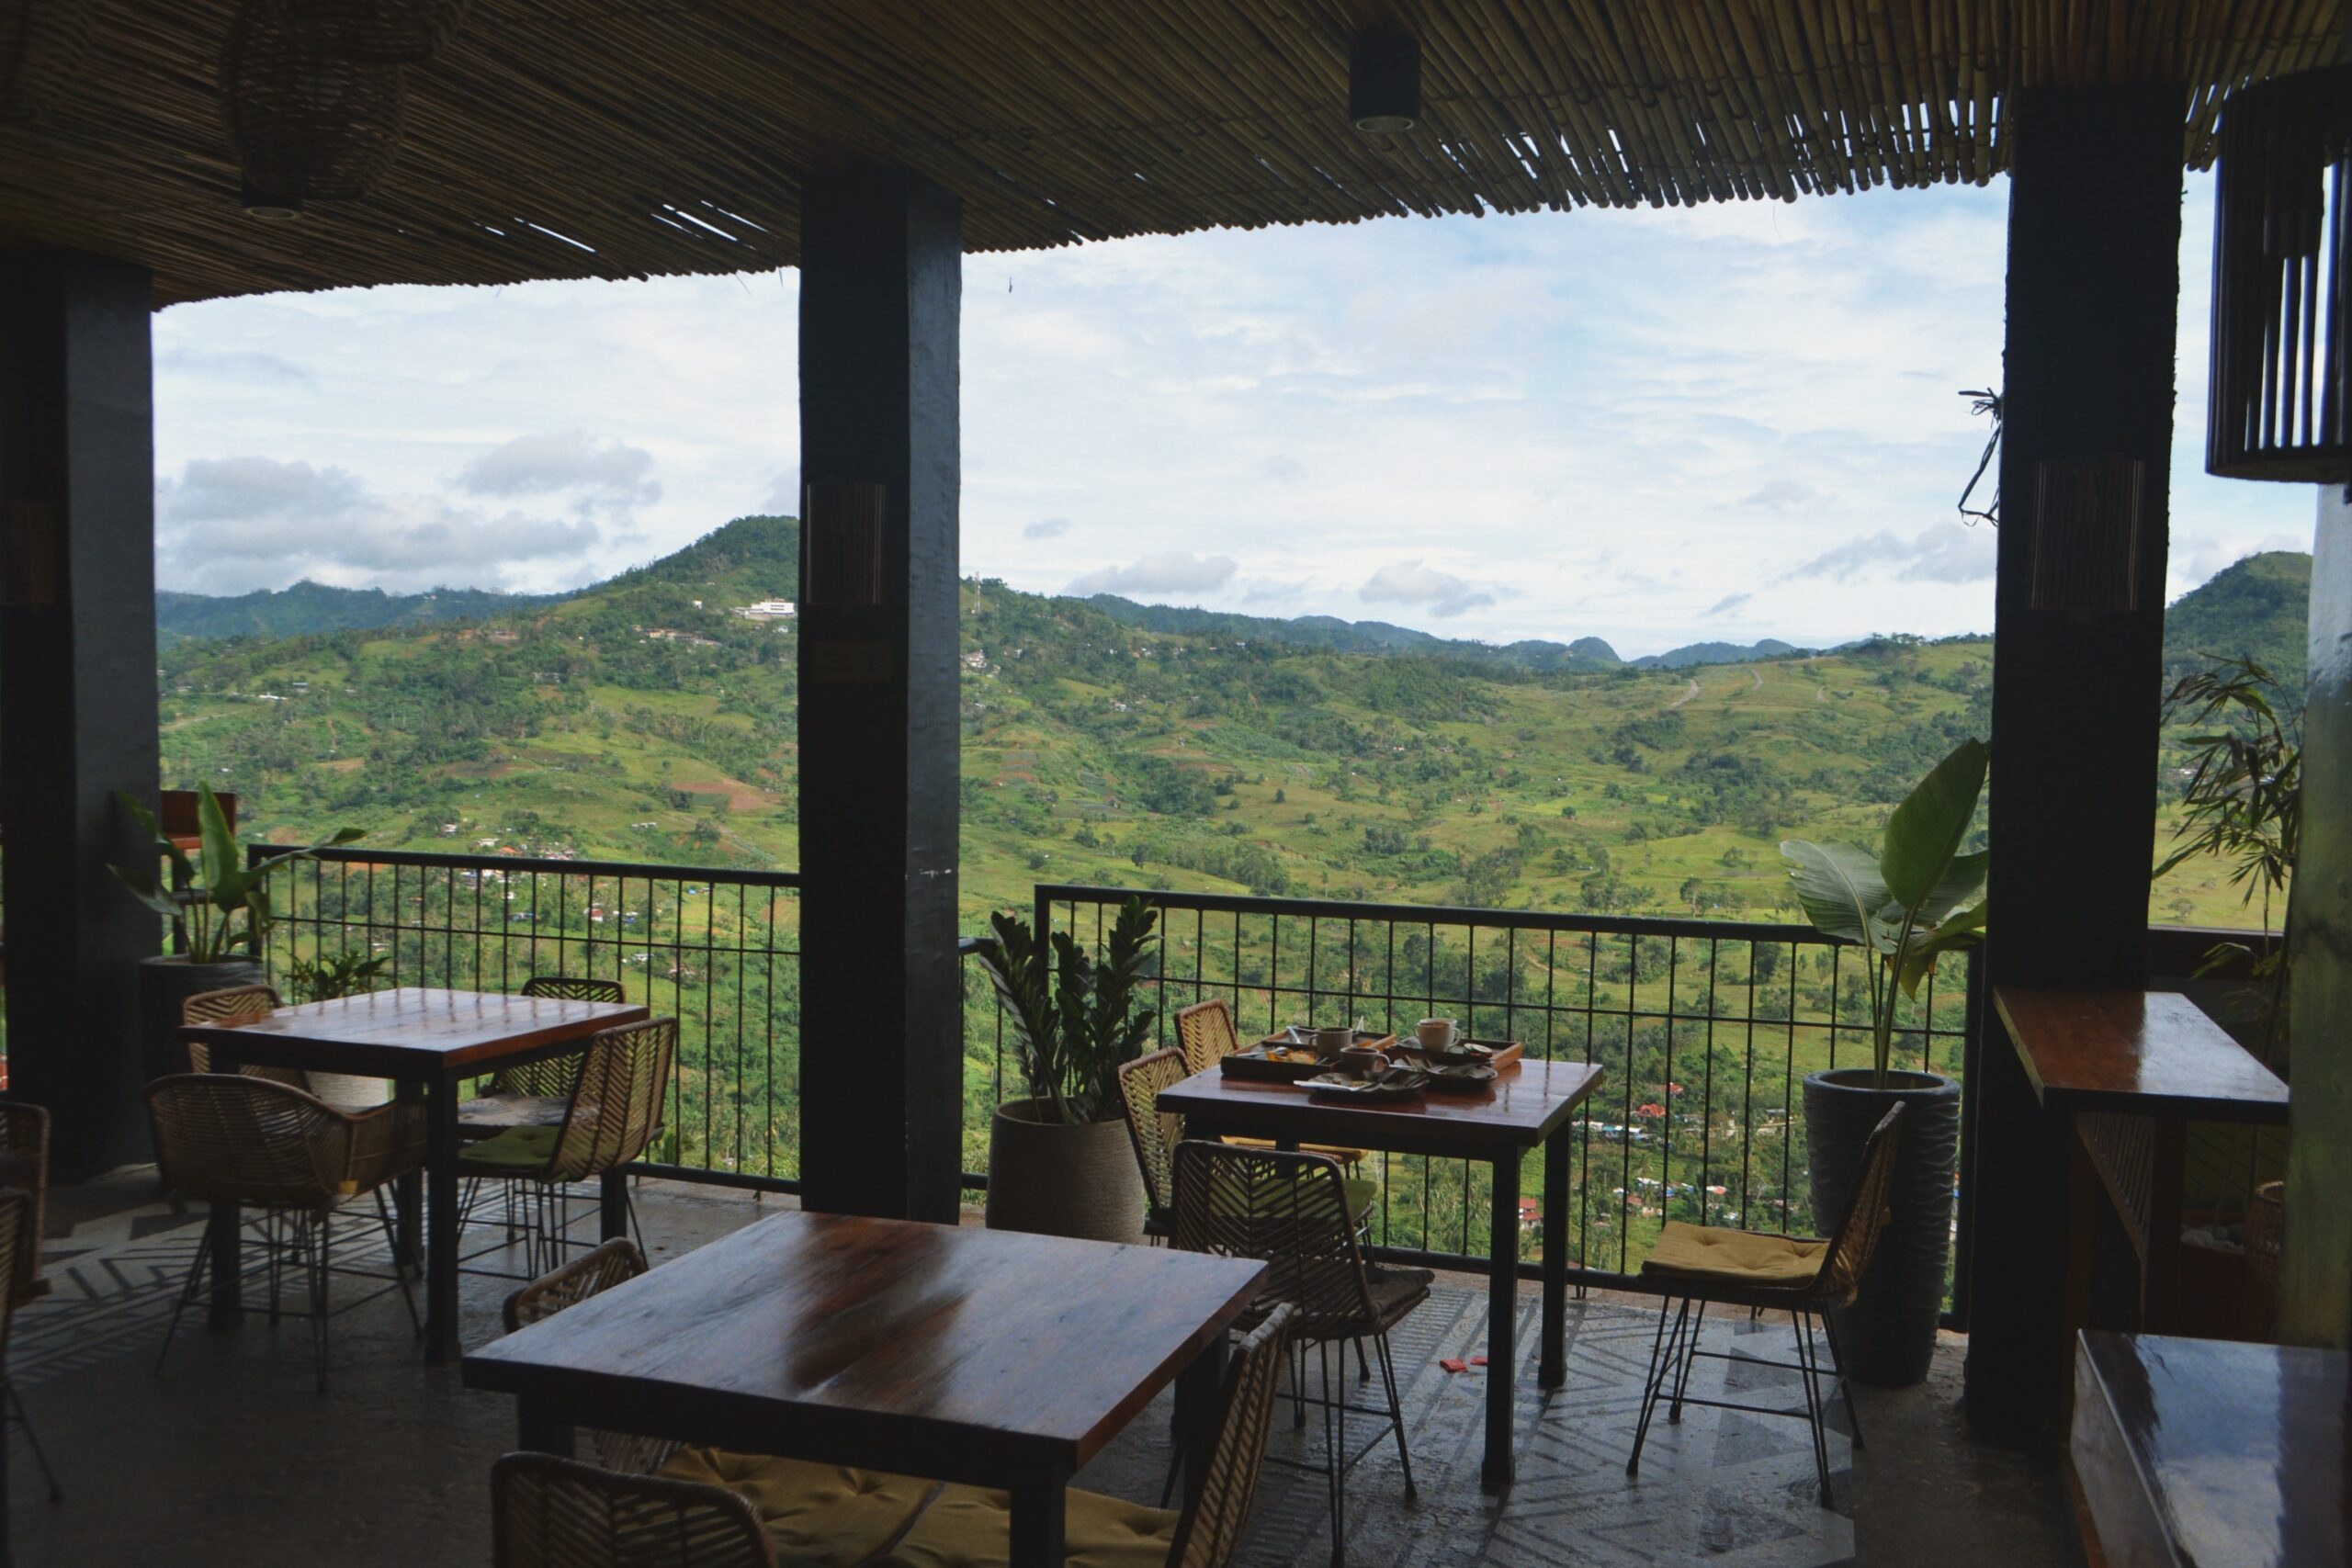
827,1514
518,1151
966,1526
1363,1194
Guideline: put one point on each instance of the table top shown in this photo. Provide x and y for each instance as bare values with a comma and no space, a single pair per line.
958,1353
2203,1452
412,1031
1522,1107
2137,1053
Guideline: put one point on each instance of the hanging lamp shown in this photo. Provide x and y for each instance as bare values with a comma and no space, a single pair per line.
1385,83
2279,406
306,123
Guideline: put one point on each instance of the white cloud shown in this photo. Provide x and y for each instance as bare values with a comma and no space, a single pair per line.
1173,572
1780,494
1944,553
1411,582
563,461
1728,603
1046,528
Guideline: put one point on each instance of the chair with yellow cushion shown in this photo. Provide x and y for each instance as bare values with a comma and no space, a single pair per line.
808,1514
967,1527
547,1512
1806,1276
536,1094
1206,1032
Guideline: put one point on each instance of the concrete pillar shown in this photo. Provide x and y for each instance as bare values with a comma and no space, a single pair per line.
2093,288
881,1069
77,687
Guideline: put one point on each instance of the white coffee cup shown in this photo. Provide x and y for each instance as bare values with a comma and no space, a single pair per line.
1434,1033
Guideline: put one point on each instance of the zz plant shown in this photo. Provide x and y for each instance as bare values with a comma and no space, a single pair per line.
1917,899
1074,1018
210,892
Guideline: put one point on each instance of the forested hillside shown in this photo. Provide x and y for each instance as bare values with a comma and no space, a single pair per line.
644,720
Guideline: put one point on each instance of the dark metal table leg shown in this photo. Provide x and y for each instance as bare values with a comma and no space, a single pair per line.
1200,1388
1554,1369
441,1231
1037,1520
408,1198
1502,1322
612,1208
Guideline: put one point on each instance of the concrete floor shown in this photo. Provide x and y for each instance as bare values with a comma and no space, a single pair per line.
231,1458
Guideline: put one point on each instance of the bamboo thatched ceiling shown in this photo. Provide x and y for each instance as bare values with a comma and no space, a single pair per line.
622,138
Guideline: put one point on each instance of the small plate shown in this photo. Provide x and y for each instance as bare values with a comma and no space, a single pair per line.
1397,1083
1461,1077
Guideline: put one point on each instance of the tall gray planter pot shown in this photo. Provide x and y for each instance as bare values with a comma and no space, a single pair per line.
1057,1179
1888,1335
164,983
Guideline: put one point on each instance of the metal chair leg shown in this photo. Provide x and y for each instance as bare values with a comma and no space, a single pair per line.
1396,1408
12,1406
1837,1365
1335,1445
400,1270
1663,1358
1809,1370
317,1255
195,1272
1689,1355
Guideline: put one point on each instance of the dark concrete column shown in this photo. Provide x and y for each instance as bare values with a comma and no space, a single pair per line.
2316,1271
2094,287
77,687
881,1066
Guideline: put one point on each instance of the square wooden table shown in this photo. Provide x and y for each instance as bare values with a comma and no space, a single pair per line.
1526,1106
991,1357
427,1042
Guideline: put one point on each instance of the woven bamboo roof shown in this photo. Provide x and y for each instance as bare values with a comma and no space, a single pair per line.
624,138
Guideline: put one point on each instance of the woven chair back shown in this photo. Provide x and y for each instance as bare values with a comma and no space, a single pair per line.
24,1165
608,1264
617,1107
228,1136
558,1513
1206,1032
235,1004
19,1246
1216,1514
553,1077
1288,1208
1154,1132
1867,1211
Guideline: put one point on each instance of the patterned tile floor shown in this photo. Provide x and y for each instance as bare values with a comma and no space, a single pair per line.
393,1447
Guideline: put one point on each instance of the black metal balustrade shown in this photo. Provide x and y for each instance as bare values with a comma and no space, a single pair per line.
1706,1028
716,949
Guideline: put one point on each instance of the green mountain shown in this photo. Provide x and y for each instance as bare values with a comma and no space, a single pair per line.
642,720
2257,609
309,608
1718,653
1334,635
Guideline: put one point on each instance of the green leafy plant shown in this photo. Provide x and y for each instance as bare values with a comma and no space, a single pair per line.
211,892
1910,903
329,975
2243,805
1074,1018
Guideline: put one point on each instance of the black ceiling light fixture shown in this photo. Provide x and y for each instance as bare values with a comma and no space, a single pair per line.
1385,83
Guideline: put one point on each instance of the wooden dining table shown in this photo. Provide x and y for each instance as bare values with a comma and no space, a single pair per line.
991,1357
1527,1106
430,1042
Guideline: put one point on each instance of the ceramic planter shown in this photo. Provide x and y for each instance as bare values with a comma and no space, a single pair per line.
1889,1334
165,982
1057,1179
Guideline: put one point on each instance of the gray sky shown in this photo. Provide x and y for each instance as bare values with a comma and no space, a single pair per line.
1733,421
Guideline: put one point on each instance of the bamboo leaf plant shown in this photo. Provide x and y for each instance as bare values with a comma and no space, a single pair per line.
1074,1018
211,892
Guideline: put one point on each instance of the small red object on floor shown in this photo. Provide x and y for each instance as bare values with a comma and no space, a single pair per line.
1453,1363
1477,1361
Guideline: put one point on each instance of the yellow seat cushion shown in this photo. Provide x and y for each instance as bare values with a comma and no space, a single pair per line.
968,1527
518,1151
814,1513
1745,1258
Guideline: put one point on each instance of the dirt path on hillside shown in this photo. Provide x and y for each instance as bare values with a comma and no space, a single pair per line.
1688,691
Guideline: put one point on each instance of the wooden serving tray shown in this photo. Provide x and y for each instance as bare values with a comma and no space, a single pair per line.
1254,1063
1506,1052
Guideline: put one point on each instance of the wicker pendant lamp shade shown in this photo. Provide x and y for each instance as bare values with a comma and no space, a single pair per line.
2280,403
306,123
387,32
41,51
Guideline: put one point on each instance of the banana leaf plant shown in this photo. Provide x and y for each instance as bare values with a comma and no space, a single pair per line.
209,893
1074,1018
1915,900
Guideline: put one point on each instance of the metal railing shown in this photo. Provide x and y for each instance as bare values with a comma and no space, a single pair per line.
1706,1031
716,949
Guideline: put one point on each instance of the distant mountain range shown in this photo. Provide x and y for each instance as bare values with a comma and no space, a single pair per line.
309,608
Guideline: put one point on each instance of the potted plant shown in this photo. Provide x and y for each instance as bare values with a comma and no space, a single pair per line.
222,905
1058,1160
1917,899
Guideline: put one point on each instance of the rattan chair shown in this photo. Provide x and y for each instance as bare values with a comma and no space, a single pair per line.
236,1004
1206,1032
612,1116
1806,1276
538,1093
24,1170
966,1526
1291,1210
558,1513
225,1137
